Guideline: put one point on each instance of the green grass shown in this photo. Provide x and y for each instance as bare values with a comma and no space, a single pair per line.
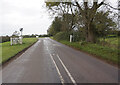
9,51
113,41
103,52
51,37
41,37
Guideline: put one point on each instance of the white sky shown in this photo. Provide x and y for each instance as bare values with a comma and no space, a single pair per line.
28,14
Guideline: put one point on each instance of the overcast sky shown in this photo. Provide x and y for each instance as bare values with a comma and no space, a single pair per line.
28,14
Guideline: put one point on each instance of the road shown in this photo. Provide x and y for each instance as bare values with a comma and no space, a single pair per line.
48,61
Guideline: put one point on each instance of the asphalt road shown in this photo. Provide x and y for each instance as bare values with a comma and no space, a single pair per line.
48,61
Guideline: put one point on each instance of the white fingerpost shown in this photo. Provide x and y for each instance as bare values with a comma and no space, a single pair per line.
11,40
71,38
20,39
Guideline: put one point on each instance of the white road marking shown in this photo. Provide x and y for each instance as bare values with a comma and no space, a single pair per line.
61,78
72,79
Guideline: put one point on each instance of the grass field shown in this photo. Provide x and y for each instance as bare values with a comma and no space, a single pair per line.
111,41
109,54
9,51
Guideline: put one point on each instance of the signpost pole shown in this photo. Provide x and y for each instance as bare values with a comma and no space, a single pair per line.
11,40
21,29
71,38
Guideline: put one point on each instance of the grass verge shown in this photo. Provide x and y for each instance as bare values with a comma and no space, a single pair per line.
9,51
105,53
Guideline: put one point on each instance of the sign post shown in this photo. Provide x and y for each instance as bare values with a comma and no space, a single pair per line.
21,30
16,38
20,40
71,38
11,41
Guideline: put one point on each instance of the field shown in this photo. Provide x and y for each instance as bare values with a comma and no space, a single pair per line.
107,53
9,51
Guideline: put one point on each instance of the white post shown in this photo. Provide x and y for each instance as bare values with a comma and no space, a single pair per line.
20,40
15,41
11,40
71,38
37,37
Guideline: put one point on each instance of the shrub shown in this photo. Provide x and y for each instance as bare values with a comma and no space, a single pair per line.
83,42
77,36
62,36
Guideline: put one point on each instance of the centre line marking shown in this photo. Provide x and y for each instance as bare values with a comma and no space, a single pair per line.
61,78
72,79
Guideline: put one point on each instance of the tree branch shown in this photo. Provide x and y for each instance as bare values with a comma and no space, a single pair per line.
78,6
86,4
111,6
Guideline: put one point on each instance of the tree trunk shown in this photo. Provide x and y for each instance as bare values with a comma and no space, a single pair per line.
90,34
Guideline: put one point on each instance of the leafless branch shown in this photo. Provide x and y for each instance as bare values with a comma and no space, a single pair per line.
111,6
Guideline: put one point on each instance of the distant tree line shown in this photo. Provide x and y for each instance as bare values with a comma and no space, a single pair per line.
34,35
4,39
7,38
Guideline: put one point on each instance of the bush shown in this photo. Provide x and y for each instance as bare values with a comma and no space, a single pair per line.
62,36
83,42
77,36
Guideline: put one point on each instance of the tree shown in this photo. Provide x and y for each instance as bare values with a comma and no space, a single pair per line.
103,24
55,26
85,11
68,22
88,15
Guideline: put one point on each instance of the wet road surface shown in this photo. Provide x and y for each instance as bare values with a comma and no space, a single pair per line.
48,61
